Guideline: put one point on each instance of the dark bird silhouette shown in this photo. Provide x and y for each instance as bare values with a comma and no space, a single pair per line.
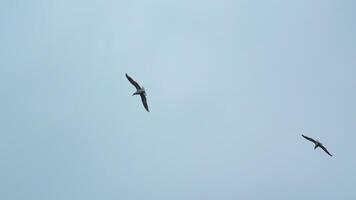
139,91
317,144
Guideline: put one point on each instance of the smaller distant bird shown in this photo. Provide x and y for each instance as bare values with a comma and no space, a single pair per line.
139,91
317,144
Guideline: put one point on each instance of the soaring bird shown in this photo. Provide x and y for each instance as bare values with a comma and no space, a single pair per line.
139,91
317,144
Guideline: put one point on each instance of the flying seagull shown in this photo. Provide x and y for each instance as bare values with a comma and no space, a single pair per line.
139,91
317,144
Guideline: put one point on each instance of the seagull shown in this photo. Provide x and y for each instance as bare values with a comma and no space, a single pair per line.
139,91
317,144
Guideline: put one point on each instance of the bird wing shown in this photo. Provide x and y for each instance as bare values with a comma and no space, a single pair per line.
310,139
326,151
144,101
137,86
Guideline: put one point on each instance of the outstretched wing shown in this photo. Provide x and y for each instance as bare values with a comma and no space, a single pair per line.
144,102
137,86
310,139
326,151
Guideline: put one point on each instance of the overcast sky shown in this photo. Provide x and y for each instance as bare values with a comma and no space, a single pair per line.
231,87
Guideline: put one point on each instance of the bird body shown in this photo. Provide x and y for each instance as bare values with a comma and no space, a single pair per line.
140,91
316,146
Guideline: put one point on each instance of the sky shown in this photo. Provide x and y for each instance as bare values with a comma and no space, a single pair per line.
231,87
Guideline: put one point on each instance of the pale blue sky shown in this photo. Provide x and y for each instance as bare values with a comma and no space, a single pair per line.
231,86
